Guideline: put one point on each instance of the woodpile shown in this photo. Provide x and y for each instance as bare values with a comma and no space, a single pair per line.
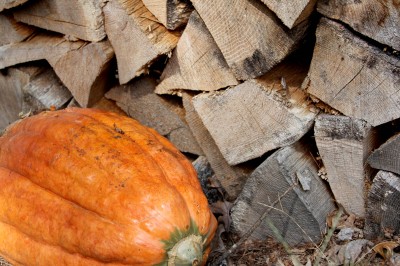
276,96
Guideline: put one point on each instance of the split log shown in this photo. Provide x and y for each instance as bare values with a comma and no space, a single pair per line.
44,92
231,178
383,209
258,115
12,80
344,144
108,105
85,71
136,36
291,13
140,102
378,20
12,31
82,67
173,14
76,19
289,177
353,77
196,63
7,4
386,157
253,44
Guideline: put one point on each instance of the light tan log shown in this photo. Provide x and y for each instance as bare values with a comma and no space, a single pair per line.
249,35
12,80
7,4
300,214
140,102
74,18
136,36
196,63
344,144
45,92
386,157
258,115
383,206
85,72
291,13
82,67
378,20
354,77
171,13
12,31
231,178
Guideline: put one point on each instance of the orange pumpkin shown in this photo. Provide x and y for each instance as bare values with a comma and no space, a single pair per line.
89,187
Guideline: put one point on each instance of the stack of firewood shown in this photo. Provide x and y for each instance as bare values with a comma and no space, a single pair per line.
289,101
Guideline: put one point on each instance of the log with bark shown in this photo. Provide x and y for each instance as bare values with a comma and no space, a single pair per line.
29,90
82,67
171,13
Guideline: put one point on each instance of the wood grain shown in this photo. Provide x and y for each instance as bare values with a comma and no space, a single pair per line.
354,77
196,63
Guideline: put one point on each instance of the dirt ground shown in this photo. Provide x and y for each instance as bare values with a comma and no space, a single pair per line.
337,252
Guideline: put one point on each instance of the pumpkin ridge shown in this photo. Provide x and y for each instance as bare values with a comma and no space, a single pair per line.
101,186
108,143
28,190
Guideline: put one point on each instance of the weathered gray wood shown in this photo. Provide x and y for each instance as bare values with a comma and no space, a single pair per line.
75,18
12,31
344,144
86,71
249,35
231,178
196,63
43,92
81,66
387,156
258,115
7,4
378,20
140,102
383,209
136,36
300,215
354,77
291,12
171,13
12,81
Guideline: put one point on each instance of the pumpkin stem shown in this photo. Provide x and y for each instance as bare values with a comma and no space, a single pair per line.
188,251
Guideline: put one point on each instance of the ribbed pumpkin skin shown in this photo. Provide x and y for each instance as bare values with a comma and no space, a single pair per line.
89,187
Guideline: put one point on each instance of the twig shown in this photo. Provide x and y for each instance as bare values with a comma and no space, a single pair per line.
233,248
328,236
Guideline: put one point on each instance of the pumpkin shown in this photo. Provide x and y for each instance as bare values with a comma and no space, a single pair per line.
90,187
